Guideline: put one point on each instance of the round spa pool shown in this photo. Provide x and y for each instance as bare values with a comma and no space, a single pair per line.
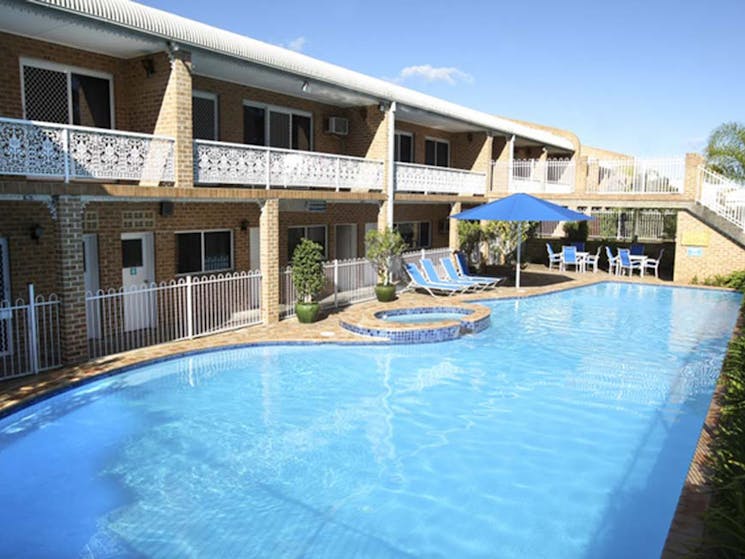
424,314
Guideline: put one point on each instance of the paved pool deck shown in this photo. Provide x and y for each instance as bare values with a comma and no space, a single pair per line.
536,280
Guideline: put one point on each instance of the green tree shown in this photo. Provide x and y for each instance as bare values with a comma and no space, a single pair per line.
382,250
725,151
307,270
502,237
469,240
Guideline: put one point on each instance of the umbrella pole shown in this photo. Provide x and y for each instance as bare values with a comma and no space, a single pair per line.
519,241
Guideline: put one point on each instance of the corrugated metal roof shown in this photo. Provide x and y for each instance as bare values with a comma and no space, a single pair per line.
183,31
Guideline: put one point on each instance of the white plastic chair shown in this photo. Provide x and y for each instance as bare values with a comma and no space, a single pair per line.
553,257
625,263
654,264
592,260
612,261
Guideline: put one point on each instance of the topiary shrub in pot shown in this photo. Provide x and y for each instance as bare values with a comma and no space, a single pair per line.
382,250
308,279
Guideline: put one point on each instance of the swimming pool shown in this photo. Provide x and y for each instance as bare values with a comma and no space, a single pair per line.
564,430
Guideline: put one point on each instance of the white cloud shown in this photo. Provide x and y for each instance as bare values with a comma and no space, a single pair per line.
429,73
297,44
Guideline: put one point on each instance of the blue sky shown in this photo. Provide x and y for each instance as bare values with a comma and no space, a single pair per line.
643,77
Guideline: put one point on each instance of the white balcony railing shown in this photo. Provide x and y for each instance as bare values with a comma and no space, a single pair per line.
637,176
552,176
723,196
428,179
44,149
225,163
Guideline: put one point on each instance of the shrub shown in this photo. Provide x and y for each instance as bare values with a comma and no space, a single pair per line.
576,231
383,250
469,240
307,270
735,280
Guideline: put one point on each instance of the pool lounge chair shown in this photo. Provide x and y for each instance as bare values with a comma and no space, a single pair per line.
452,275
418,281
463,272
430,272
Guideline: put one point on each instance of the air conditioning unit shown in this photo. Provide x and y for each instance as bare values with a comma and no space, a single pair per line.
338,125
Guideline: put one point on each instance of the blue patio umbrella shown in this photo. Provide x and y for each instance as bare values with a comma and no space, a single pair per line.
521,207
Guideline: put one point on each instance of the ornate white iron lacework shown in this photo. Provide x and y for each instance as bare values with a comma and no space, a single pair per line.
429,179
75,152
222,163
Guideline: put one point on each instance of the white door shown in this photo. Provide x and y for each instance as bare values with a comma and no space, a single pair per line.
6,315
92,284
254,248
138,271
346,242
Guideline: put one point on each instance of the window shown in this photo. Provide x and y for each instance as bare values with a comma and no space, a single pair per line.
416,234
204,115
56,93
277,127
204,251
437,152
315,233
403,149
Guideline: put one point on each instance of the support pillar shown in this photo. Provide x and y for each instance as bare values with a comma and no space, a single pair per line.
269,257
453,239
71,281
691,186
174,118
383,216
502,173
390,161
580,173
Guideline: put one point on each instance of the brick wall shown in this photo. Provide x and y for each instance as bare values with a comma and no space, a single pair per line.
185,217
721,256
468,150
31,261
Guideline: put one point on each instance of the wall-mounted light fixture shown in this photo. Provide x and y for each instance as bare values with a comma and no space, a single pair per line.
37,232
149,65
244,225
306,86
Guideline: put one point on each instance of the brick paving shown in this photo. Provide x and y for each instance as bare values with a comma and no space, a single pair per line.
686,526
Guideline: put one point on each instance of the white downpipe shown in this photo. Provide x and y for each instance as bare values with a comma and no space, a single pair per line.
391,170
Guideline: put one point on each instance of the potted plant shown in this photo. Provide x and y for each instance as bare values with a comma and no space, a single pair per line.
308,279
383,249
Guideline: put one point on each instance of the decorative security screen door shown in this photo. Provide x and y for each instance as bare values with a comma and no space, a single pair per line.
138,272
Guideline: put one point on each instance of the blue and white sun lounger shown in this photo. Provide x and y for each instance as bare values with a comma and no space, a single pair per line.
460,259
452,273
431,272
418,281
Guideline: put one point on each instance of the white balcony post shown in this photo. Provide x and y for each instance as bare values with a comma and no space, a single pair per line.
337,176
391,178
33,339
336,283
268,171
66,151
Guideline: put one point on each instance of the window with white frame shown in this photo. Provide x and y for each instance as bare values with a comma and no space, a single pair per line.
204,251
66,95
403,149
266,125
416,234
204,115
437,152
315,233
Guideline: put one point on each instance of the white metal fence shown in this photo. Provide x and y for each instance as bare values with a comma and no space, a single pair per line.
553,176
637,176
627,224
349,281
29,335
723,196
225,163
43,149
124,319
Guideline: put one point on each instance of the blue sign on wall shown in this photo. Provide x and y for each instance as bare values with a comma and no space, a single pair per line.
695,252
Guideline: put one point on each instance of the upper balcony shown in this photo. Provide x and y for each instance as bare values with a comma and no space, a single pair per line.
541,176
636,176
72,153
427,179
268,167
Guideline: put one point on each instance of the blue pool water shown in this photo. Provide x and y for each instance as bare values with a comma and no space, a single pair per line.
420,317
563,431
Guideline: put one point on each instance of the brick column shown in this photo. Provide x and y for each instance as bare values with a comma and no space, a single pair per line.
501,174
580,174
692,176
269,258
454,241
174,118
383,217
73,331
